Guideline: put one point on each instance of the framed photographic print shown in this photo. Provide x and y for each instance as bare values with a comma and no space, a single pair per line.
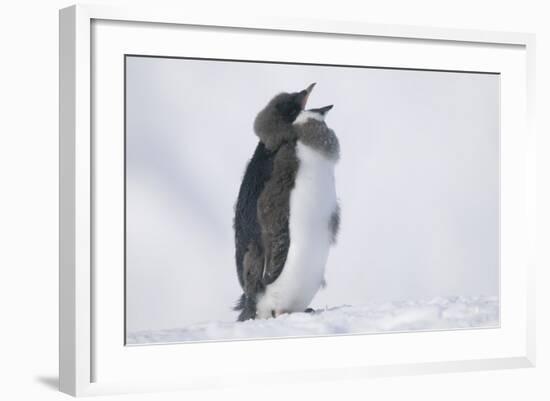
358,196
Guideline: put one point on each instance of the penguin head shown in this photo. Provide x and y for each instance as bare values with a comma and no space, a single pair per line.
273,124
312,114
312,130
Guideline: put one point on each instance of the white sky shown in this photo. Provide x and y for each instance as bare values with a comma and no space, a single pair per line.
417,181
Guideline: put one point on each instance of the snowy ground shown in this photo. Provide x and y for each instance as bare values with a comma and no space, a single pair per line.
434,314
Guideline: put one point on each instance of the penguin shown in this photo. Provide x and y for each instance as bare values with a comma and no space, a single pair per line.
261,223
295,270
274,127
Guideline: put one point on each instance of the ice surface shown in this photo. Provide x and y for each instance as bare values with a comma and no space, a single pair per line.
411,315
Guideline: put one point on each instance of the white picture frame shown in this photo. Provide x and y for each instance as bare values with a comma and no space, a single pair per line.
85,349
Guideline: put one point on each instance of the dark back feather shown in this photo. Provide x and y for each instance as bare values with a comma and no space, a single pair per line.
247,228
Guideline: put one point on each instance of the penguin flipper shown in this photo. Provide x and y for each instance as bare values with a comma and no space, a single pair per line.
274,212
334,224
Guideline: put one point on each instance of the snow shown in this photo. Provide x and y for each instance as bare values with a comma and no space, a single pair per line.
412,315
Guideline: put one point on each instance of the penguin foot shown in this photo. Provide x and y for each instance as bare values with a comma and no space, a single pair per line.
276,314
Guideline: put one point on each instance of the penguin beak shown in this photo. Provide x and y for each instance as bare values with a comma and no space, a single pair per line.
324,110
304,95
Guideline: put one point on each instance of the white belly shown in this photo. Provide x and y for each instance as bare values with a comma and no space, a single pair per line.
312,202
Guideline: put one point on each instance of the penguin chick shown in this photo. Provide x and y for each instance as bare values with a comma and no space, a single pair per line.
261,245
312,215
313,132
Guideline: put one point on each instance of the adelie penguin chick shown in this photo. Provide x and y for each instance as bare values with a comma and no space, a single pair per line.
262,239
313,217
278,276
